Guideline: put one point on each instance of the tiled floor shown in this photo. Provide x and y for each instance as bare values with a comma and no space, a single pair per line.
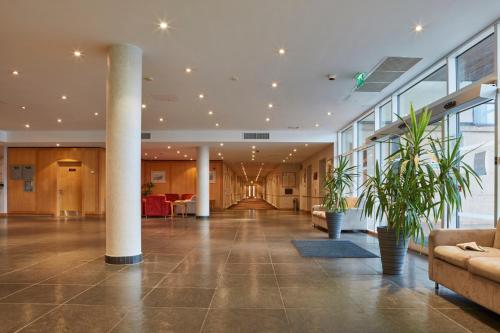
237,272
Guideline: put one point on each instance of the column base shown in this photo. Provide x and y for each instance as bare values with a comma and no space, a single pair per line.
203,217
127,260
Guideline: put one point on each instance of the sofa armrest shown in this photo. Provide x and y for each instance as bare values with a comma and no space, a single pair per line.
439,237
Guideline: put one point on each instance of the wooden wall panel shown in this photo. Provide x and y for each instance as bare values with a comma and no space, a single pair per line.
44,198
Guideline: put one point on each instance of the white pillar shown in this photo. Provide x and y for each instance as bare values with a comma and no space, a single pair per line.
202,182
123,155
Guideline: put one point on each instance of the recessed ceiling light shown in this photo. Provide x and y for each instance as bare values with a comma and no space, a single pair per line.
317,125
64,97
306,144
268,119
253,159
161,119
191,159
188,70
57,145
419,28
163,25
284,161
210,112
328,113
23,107
178,152
220,154
294,149
281,51
221,144
253,151
77,53
168,147
59,120
290,154
156,157
145,154
270,105
253,147
27,125
216,124
15,73
201,96
96,113
143,106
274,84
185,156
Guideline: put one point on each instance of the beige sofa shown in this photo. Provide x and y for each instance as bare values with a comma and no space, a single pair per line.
475,275
353,220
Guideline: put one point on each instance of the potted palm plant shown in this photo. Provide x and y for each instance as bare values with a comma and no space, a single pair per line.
419,181
338,183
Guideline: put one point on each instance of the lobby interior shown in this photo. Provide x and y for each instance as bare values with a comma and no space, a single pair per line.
159,160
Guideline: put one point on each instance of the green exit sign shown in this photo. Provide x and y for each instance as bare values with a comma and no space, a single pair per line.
360,79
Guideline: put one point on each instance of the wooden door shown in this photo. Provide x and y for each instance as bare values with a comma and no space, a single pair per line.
69,181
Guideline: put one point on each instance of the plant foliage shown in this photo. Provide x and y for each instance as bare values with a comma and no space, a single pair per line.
338,183
420,180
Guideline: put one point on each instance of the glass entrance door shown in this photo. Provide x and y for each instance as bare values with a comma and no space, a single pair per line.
477,127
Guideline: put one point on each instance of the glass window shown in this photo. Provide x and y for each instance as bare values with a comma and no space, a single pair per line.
478,140
366,167
366,127
385,114
347,140
476,63
430,89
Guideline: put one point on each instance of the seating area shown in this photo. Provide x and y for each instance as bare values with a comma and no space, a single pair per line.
473,274
169,204
353,219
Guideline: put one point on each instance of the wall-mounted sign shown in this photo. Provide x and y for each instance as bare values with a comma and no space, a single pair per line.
28,172
16,172
212,176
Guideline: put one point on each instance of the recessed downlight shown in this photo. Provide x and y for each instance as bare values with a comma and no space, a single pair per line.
270,105
188,70
59,120
210,112
57,145
328,113
161,119
294,150
27,125
178,152
185,156
217,124
169,147
23,108
316,125
96,114
274,84
15,72
64,97
281,51
201,96
268,119
253,147
143,106
77,53
306,144
163,25
419,28
221,144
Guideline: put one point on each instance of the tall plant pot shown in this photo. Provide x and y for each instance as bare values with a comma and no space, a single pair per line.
392,251
334,222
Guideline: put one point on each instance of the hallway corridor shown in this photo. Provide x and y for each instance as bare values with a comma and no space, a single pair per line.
253,204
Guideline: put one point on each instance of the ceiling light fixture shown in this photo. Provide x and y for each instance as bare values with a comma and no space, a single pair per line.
274,84
145,154
306,144
15,73
185,156
419,28
168,147
290,154
328,113
216,124
221,144
178,152
143,106
253,147
59,120
270,105
210,112
64,97
317,125
161,119
281,51
268,119
201,96
27,125
156,157
77,53
188,70
23,107
220,154
96,114
163,25
295,149
57,145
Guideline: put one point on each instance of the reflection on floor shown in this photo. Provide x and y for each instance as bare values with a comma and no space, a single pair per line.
237,272
253,204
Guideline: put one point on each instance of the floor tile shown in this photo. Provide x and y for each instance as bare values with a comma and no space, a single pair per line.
111,295
248,268
43,293
247,281
246,321
15,316
179,297
245,298
190,281
9,288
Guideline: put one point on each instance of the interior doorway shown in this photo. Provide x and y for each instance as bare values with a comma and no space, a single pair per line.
309,187
69,189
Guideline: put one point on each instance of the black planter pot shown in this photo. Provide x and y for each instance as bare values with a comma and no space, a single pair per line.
334,222
392,251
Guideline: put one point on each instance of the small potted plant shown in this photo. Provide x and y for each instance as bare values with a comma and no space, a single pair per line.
147,189
338,183
419,181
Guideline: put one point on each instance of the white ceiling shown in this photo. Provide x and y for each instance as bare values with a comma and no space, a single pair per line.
218,39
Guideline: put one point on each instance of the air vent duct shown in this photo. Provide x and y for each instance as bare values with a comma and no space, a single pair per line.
256,136
145,136
386,72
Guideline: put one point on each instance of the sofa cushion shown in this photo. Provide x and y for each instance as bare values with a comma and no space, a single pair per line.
458,257
319,213
497,237
486,267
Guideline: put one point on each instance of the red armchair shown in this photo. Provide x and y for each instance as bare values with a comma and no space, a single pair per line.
156,205
171,197
186,196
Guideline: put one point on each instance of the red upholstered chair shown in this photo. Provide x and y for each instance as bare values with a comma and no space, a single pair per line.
171,197
143,202
186,196
156,205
